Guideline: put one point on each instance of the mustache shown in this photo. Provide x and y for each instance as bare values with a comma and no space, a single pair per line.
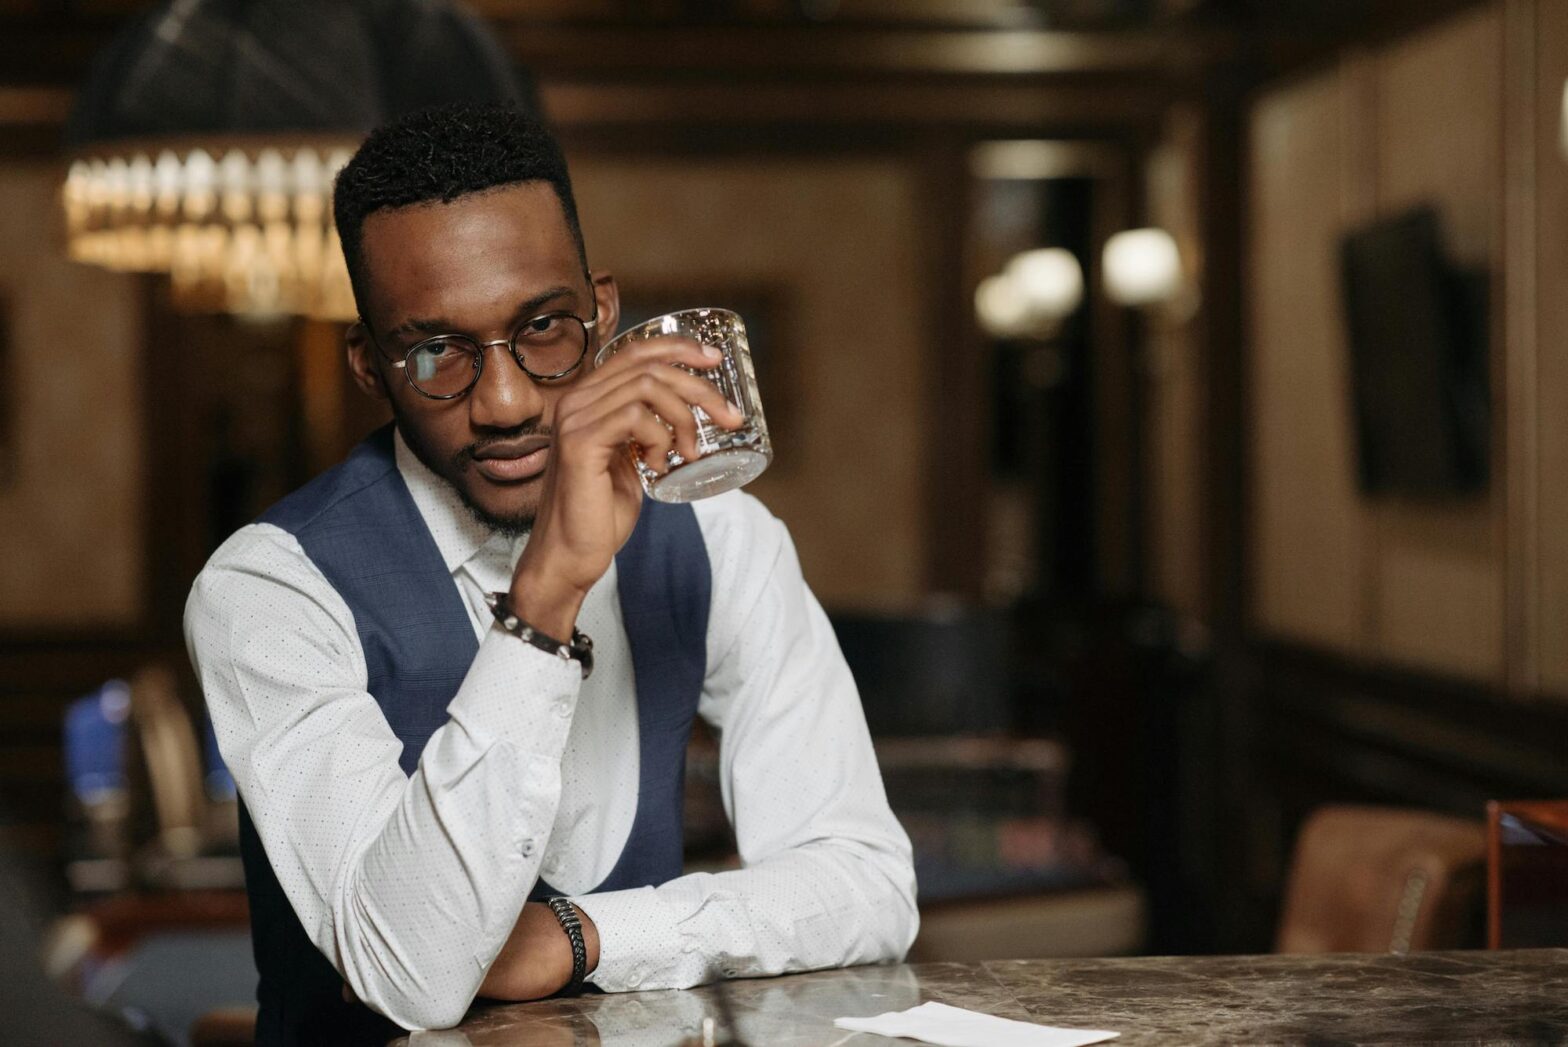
465,457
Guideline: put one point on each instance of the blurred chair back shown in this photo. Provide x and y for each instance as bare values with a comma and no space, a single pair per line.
221,831
173,758
1377,879
945,671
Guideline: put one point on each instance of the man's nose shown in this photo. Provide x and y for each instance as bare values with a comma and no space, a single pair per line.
504,397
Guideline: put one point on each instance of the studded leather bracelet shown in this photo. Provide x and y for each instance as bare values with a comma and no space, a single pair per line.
579,650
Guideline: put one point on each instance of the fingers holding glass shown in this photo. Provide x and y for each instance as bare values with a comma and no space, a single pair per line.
709,347
674,399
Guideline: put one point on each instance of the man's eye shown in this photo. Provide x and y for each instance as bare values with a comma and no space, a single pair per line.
541,325
438,356
439,352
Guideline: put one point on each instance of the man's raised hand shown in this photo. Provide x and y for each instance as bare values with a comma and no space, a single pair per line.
591,492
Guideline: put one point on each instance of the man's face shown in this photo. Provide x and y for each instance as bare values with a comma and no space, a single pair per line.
478,266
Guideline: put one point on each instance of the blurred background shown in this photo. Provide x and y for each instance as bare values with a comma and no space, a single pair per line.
1169,399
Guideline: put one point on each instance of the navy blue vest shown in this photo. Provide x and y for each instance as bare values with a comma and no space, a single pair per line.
360,527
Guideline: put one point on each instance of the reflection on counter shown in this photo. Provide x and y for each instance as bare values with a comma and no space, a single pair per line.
1454,998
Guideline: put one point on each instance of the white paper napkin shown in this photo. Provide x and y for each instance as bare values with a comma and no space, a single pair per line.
955,1027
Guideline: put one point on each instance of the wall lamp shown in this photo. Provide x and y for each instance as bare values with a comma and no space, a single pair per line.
1032,294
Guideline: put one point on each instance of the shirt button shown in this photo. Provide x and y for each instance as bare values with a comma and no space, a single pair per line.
527,848
563,709
634,981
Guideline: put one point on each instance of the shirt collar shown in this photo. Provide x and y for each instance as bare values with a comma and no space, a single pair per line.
458,535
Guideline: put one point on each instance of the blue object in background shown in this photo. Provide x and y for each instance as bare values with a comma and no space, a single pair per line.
220,783
95,730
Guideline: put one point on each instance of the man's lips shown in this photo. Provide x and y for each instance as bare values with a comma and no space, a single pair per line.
513,460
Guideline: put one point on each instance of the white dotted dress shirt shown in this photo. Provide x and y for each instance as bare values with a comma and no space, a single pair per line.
410,885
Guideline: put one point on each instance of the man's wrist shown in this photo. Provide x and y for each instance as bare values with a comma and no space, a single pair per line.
546,605
642,942
590,938
578,648
566,914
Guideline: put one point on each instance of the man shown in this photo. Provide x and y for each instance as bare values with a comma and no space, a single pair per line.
396,659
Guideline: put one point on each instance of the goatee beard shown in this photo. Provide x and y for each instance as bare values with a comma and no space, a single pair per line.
517,526
514,526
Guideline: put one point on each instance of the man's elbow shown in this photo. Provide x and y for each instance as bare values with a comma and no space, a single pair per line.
425,1012
431,998
439,1015
907,920
892,896
417,988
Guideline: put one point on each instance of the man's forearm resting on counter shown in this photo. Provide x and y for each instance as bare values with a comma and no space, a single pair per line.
455,675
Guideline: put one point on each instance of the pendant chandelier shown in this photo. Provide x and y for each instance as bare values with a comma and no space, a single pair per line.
206,139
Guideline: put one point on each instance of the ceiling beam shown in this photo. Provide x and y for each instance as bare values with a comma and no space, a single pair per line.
58,50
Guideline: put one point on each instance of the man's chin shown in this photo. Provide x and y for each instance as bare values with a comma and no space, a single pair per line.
511,520
506,507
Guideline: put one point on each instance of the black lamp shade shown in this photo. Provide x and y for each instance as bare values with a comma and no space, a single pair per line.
236,67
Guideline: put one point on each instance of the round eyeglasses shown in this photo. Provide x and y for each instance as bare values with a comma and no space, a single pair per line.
547,347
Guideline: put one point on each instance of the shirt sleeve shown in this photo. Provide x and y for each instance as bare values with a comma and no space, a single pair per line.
827,877
409,885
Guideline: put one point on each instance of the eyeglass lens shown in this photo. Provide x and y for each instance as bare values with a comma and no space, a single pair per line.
546,346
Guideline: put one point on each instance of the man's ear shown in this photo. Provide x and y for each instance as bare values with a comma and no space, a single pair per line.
607,296
363,361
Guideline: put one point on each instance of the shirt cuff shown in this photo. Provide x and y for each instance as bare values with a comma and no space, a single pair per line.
640,942
516,693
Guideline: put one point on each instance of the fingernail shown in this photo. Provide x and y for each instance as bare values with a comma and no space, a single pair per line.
712,353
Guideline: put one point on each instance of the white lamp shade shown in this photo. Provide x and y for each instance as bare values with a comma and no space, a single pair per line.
1051,281
1001,307
1142,267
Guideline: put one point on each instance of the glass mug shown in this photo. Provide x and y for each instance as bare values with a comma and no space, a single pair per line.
727,458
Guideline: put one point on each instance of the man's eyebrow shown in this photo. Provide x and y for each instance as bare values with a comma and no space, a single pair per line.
524,311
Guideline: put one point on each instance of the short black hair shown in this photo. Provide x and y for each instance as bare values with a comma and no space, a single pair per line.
438,155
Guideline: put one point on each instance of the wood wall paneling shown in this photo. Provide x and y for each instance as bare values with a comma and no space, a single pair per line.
1309,533
1551,326
1174,458
1439,569
1121,519
915,12
1520,432
74,500
1324,731
842,241
958,513
1449,118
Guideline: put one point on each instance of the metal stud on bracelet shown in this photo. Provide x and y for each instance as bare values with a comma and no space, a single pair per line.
579,650
566,915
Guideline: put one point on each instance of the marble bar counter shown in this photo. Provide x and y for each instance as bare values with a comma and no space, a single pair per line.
1508,997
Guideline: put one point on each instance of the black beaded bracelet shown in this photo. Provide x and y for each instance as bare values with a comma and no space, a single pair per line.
567,916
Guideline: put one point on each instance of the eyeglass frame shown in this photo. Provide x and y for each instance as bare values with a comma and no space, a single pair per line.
589,326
